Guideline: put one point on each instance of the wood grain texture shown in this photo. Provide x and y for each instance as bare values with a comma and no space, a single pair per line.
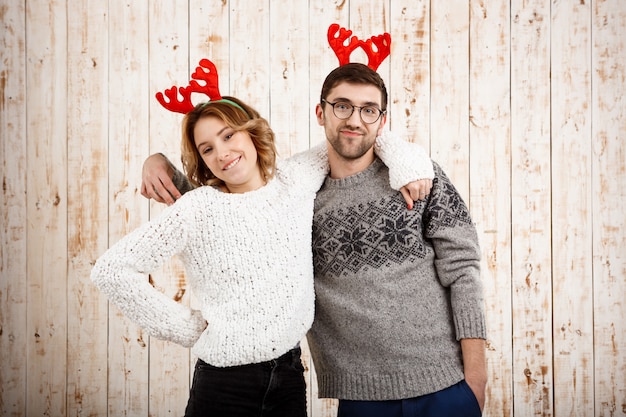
87,191
530,208
128,356
13,214
449,90
572,253
409,77
46,211
521,101
609,221
490,186
289,78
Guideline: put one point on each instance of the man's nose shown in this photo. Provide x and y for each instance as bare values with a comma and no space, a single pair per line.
355,118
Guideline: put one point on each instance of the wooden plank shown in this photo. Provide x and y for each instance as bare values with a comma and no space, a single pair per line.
367,19
289,77
490,179
13,207
322,59
128,147
250,53
609,199
46,180
571,211
409,80
169,367
87,142
209,38
530,211
449,97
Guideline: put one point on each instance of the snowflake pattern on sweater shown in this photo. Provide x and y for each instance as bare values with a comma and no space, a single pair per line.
379,232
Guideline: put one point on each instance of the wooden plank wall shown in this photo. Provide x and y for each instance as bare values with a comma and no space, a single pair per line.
522,102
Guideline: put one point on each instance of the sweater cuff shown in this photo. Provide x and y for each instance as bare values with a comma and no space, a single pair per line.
189,335
471,326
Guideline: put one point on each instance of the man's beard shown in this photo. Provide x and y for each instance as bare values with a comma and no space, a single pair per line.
351,149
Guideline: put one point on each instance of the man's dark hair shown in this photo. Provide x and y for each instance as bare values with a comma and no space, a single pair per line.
354,73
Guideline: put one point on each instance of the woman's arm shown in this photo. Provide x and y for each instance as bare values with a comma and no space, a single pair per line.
122,273
407,161
309,168
410,168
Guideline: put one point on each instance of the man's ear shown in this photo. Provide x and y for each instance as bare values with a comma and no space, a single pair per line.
319,113
383,121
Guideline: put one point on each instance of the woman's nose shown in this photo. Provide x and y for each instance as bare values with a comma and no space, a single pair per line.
222,152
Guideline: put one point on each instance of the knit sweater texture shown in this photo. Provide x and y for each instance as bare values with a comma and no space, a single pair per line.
396,289
247,260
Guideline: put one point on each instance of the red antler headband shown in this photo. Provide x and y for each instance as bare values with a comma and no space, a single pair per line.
206,72
337,37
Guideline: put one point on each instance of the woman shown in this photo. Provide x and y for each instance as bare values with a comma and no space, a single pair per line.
244,237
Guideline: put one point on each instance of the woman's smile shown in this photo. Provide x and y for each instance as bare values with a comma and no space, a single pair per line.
231,164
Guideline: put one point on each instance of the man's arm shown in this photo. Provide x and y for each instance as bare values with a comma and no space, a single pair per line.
161,180
458,268
475,367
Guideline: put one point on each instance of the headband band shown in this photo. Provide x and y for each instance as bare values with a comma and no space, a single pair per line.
225,100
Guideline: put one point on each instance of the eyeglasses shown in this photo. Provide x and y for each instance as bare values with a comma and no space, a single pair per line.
343,111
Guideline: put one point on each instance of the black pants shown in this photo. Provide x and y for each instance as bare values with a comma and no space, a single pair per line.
274,388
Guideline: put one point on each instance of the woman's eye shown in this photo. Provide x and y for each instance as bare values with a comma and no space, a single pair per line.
207,150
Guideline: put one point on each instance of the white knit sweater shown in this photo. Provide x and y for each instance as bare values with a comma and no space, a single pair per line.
247,259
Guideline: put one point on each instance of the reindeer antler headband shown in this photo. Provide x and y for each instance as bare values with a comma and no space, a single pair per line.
206,72
337,37
179,98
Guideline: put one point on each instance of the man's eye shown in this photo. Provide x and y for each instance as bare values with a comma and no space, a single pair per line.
343,106
370,110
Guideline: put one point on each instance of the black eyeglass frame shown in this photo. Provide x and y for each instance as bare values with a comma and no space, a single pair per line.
380,112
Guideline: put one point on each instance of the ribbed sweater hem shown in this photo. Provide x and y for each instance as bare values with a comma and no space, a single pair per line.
392,386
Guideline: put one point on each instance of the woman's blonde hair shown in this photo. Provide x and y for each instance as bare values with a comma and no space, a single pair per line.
239,117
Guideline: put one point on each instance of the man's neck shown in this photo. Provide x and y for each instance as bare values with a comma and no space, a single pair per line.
341,167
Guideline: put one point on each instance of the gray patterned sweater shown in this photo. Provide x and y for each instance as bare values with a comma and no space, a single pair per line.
395,289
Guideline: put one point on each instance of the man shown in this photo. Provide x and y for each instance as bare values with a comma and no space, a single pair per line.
399,325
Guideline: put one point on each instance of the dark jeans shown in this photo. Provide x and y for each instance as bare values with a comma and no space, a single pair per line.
455,401
274,388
